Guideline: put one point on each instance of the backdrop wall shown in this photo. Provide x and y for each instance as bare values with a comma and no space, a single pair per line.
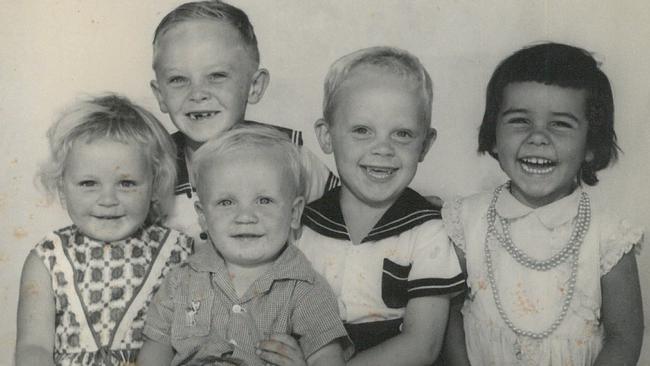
55,51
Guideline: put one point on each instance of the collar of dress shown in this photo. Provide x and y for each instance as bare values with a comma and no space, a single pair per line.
151,235
551,216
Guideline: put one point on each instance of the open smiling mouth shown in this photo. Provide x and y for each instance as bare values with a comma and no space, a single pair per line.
537,165
379,172
197,116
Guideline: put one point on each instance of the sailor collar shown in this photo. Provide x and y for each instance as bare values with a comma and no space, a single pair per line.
324,216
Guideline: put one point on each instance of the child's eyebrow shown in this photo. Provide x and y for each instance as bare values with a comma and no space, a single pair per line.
514,110
567,115
169,70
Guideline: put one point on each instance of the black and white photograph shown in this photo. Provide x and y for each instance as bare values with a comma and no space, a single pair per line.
324,182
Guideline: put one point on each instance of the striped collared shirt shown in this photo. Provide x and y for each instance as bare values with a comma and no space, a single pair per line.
198,312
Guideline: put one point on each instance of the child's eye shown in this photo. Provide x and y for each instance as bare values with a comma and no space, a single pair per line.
217,76
224,203
517,121
177,80
264,200
87,183
404,134
360,130
127,183
562,124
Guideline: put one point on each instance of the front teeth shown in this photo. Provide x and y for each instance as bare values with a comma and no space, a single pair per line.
537,161
380,173
537,165
195,116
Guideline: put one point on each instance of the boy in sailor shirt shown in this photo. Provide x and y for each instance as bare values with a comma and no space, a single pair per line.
381,246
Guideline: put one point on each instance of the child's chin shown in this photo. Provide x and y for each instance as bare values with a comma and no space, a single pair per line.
381,199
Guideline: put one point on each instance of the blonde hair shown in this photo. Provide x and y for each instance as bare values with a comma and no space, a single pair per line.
214,10
245,135
392,60
114,117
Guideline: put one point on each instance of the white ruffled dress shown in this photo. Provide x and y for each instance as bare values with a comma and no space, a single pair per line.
532,299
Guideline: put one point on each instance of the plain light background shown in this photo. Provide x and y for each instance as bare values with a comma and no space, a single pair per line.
55,51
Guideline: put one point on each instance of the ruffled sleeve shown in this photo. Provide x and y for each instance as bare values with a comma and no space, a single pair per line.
451,217
619,239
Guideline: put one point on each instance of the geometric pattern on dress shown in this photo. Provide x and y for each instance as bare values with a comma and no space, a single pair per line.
105,278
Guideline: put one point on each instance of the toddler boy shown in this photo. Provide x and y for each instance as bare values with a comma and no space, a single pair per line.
206,61
381,246
250,284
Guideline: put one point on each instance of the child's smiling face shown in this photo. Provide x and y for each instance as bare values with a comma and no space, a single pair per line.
541,140
107,188
248,204
204,73
377,134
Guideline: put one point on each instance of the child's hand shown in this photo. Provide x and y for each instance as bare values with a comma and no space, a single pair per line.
281,350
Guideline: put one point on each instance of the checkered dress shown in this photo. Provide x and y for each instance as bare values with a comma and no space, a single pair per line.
102,290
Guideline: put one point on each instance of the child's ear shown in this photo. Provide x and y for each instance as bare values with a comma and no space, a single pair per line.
259,82
296,211
156,91
430,137
322,129
589,156
61,199
199,211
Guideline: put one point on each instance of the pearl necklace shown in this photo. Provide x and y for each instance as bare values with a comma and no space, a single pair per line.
572,250
576,238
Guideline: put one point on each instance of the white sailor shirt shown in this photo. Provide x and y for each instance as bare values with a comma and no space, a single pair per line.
406,255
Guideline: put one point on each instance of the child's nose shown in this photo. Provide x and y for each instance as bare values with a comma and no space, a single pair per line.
384,147
108,197
538,136
199,93
246,215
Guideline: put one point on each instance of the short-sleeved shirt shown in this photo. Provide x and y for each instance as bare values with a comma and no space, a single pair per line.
183,215
406,255
102,290
531,299
199,314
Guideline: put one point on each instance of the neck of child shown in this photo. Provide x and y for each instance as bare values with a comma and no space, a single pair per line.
537,202
191,146
242,277
360,216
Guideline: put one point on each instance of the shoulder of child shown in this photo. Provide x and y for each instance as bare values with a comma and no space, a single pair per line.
616,235
183,241
458,210
50,244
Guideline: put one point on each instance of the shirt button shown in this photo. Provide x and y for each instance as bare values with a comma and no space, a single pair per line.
237,309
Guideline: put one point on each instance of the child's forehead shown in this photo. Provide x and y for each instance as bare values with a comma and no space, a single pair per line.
201,30
547,93
370,86
248,157
206,36
367,78
97,151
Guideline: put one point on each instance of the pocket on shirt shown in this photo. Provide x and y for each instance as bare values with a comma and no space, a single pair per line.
192,316
394,284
